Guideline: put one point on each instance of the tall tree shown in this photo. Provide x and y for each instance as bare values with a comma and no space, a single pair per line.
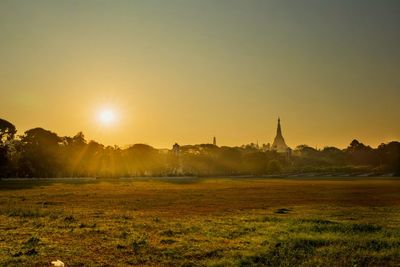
41,153
7,133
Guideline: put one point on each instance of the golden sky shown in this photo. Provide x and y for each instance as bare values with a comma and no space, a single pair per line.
184,71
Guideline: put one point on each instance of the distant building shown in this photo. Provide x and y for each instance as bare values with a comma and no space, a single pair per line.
176,149
279,144
214,141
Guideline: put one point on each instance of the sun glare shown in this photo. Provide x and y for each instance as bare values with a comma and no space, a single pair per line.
107,117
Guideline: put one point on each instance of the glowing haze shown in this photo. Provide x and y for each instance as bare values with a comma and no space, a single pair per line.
160,72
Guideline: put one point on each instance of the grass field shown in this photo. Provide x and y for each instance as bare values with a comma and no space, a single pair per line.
201,222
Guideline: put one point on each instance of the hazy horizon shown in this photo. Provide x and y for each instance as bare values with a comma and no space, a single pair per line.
185,71
210,141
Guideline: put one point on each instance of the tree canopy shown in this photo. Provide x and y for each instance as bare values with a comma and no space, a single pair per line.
42,153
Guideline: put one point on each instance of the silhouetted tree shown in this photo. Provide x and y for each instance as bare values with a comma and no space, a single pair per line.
333,156
274,166
360,154
40,153
389,156
7,132
74,155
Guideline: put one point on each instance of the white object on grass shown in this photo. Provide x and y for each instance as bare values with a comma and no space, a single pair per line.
58,263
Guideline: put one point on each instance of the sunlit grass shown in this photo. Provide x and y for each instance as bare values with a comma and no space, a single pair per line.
211,222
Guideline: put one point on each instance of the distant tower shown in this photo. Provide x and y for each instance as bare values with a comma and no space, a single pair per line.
214,141
176,149
279,144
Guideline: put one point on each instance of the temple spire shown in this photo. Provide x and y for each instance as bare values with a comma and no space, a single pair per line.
278,130
279,144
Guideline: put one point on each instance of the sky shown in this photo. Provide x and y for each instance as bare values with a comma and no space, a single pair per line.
185,71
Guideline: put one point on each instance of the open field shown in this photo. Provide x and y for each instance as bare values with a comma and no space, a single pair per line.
201,222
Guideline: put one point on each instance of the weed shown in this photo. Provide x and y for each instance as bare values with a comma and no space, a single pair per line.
119,246
291,252
32,241
31,252
365,228
167,241
124,234
139,244
169,233
69,219
240,232
26,213
17,254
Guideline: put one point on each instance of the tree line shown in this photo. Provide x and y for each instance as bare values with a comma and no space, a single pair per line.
43,153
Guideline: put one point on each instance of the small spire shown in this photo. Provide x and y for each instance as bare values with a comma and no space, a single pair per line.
278,130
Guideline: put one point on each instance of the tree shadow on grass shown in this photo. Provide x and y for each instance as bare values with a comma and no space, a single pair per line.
19,184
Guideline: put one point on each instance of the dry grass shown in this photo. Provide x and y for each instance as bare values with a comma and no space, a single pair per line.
201,222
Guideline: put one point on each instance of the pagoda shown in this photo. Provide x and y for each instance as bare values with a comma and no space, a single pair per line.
279,144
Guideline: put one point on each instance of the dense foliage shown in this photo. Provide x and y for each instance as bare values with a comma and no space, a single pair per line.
42,153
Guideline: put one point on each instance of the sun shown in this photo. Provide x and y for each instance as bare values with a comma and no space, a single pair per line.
107,117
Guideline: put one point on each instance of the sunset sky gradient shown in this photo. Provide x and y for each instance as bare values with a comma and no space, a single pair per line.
185,71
